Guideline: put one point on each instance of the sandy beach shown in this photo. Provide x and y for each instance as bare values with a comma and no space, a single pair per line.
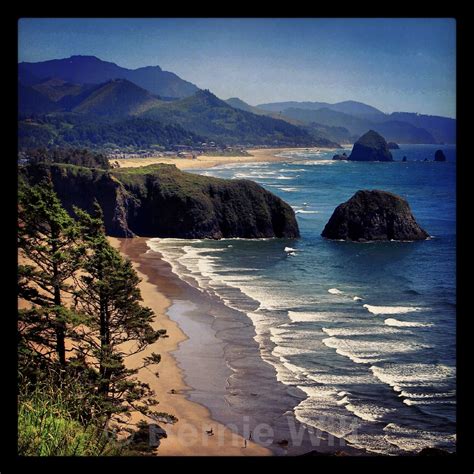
204,161
188,436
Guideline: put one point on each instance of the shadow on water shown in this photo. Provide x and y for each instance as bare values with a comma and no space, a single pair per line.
373,254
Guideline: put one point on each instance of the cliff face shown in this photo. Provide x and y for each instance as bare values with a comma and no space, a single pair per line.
161,201
370,147
373,215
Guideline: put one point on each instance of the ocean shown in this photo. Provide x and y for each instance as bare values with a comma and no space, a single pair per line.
361,335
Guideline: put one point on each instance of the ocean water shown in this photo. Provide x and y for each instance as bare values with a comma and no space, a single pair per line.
365,331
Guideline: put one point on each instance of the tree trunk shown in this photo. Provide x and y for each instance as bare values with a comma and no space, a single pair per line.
104,346
60,327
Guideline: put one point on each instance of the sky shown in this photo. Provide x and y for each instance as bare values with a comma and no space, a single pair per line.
395,65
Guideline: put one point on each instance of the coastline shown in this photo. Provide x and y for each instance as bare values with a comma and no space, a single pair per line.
187,437
204,161
213,363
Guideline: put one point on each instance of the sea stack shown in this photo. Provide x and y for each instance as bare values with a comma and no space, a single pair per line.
340,157
393,146
440,156
371,147
373,215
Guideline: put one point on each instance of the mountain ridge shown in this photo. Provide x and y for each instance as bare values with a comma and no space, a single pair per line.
92,70
427,128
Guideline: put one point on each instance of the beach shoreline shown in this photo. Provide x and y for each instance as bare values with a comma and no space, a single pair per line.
214,366
188,436
203,161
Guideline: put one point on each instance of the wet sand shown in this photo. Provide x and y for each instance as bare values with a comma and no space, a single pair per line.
188,436
213,363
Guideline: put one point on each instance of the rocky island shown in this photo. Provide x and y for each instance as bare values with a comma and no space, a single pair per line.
393,146
439,156
374,215
370,147
162,201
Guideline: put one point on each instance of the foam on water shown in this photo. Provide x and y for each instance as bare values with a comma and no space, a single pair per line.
403,376
360,331
391,309
317,162
308,317
369,411
331,419
366,352
407,324
410,439
304,211
320,341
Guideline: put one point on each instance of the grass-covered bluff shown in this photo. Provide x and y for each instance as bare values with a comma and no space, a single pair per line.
162,201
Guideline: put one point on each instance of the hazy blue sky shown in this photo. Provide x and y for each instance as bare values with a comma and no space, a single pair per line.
393,64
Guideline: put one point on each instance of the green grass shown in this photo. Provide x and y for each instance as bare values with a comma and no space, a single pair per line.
46,427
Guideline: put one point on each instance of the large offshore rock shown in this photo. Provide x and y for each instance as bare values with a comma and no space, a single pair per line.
373,215
370,147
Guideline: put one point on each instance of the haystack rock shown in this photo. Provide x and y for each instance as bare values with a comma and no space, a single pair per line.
371,147
440,156
373,215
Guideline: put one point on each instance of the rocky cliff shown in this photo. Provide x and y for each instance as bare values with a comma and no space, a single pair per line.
373,215
371,147
161,201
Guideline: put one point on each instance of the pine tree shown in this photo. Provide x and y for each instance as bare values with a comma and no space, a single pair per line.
118,325
49,242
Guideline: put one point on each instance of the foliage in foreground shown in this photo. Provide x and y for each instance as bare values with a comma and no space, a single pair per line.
84,307
47,426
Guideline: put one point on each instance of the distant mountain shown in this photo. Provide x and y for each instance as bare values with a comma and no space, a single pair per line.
358,118
333,134
328,117
443,129
30,101
116,98
358,109
397,131
92,70
403,132
205,114
336,134
280,106
121,114
350,107
128,134
55,89
240,104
